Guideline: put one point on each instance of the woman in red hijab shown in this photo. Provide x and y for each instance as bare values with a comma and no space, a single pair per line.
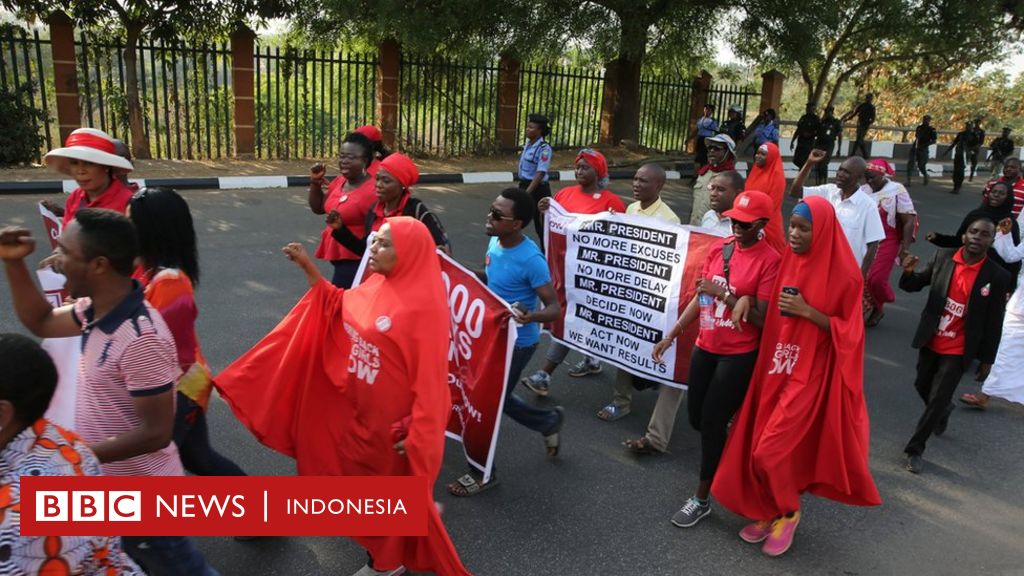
768,176
355,383
393,187
803,426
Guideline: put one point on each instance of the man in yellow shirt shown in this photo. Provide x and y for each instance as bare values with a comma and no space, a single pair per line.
647,184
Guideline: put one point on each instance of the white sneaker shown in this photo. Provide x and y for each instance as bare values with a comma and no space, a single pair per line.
368,571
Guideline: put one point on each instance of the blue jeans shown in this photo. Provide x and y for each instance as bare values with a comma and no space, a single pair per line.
193,441
167,556
542,420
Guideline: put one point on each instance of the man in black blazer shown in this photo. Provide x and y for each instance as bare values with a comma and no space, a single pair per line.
962,320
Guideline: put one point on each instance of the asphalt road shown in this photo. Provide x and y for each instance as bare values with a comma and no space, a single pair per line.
598,509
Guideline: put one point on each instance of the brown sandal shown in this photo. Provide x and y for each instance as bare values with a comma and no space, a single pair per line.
974,401
640,446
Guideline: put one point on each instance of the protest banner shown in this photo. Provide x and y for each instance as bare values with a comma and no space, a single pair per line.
622,281
63,351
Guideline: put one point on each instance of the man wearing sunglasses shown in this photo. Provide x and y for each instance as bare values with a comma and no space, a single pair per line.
515,269
721,158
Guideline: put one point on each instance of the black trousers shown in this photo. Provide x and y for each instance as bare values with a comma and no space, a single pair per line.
718,385
959,166
543,190
859,144
937,378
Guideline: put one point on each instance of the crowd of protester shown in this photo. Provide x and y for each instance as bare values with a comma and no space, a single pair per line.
809,281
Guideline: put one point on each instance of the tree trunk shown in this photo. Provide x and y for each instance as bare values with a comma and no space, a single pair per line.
140,143
623,82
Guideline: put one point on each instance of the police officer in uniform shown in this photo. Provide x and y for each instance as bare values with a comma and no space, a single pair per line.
534,165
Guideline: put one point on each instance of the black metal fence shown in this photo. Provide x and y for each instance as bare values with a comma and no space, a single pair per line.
25,60
307,100
569,97
664,114
447,108
184,91
722,96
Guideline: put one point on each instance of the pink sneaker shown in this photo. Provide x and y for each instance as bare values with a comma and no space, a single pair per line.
756,532
781,537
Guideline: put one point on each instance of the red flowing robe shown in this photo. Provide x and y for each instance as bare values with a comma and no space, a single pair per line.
803,426
772,181
348,373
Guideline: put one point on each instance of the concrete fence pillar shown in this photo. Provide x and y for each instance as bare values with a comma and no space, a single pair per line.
699,97
771,90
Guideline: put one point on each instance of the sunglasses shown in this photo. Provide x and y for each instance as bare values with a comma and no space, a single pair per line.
716,148
743,225
495,214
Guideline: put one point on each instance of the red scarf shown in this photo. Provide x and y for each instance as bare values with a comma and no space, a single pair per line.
772,181
803,426
294,389
728,164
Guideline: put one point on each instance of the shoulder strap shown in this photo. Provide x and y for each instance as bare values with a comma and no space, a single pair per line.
727,249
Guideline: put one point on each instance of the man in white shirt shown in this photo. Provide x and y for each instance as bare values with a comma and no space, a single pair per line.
723,189
856,211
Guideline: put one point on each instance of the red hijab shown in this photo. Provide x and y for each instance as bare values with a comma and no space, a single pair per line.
803,426
348,373
597,161
772,181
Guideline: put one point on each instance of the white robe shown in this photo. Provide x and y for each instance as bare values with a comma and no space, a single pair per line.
1005,380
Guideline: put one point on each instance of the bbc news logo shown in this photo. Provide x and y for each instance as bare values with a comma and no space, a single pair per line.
88,506
222,506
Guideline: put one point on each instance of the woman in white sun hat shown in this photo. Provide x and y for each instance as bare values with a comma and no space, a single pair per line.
90,157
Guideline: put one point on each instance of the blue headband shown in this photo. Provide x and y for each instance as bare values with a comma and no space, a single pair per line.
803,210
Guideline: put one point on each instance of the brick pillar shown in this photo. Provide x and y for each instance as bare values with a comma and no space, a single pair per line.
508,103
65,75
699,97
771,90
243,44
389,61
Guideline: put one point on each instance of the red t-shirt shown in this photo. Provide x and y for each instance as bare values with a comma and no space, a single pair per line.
752,272
352,206
575,200
115,197
949,337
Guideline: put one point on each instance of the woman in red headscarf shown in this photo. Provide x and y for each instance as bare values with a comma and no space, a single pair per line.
590,195
803,426
395,176
768,176
355,383
899,220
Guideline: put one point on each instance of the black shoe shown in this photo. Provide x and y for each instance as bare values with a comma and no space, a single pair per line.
913,463
940,428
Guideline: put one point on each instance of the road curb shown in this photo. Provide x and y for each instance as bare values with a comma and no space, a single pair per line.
682,170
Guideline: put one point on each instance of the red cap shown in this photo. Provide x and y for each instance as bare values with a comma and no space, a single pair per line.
371,132
750,205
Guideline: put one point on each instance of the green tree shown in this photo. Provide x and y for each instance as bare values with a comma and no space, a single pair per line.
828,47
161,19
622,33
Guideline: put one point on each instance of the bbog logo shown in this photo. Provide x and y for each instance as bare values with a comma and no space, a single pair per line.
88,506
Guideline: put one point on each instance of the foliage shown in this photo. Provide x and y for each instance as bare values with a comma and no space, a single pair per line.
19,139
921,39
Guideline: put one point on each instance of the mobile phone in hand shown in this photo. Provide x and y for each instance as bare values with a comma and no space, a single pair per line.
792,290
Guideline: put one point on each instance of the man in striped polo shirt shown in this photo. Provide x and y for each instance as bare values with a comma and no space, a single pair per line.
124,405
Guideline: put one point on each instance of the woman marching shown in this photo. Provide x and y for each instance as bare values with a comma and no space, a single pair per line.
739,268
296,392
803,426
769,177
393,189
899,219
347,202
170,260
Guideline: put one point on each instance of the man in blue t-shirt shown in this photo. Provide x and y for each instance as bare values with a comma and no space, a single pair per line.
516,271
